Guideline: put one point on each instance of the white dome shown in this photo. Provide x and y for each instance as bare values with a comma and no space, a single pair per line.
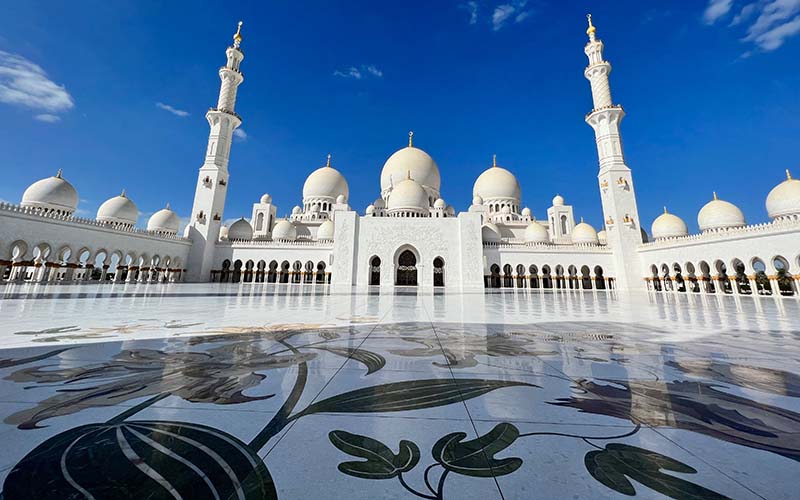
325,182
379,203
297,210
240,230
719,214
284,230
583,234
370,209
408,194
668,225
266,198
601,237
410,159
784,199
51,193
536,233
451,210
118,210
490,232
341,199
477,200
164,221
439,203
223,232
497,182
325,231
526,212
558,201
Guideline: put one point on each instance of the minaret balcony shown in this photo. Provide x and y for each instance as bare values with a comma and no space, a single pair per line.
616,107
221,110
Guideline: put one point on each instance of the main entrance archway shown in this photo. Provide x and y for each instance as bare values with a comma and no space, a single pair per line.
406,269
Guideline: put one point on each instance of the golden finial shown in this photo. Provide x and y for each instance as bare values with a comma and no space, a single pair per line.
715,195
410,139
58,174
591,29
788,175
329,161
237,38
665,210
494,160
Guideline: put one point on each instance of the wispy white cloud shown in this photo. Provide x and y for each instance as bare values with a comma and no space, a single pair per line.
25,84
171,109
240,135
47,118
472,9
506,12
357,73
716,9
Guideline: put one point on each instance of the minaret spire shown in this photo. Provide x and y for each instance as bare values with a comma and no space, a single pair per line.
411,139
494,160
237,37
329,161
591,30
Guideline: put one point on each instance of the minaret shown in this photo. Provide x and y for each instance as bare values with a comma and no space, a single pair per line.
623,231
212,181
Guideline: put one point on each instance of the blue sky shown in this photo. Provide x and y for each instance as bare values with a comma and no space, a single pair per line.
115,92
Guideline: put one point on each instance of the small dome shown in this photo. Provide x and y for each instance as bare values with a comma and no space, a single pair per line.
223,233
379,203
266,198
526,212
497,182
297,210
240,230
370,209
558,201
719,214
325,231
477,200
601,237
51,193
422,167
668,225
583,234
451,210
118,210
283,230
439,203
341,199
536,233
164,221
408,195
784,199
325,182
490,232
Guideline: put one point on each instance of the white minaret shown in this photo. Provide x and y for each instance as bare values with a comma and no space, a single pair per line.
212,181
623,231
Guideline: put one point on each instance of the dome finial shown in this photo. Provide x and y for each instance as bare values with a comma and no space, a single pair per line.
237,37
581,220
591,29
494,160
411,139
715,195
788,175
329,161
168,207
58,174
123,193
665,210
408,174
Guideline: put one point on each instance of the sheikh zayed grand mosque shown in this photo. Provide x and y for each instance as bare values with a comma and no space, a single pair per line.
409,236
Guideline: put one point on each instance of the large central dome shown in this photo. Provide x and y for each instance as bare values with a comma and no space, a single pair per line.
410,159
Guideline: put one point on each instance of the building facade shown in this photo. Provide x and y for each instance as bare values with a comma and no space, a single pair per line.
409,236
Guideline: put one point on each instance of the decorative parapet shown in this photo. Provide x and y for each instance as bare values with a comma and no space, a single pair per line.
548,247
274,243
52,216
754,230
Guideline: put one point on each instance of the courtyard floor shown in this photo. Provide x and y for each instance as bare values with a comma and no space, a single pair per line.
298,392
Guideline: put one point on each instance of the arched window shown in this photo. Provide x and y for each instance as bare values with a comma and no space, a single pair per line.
284,272
494,279
320,272
438,271
564,225
260,221
508,279
375,271
586,278
406,269
272,274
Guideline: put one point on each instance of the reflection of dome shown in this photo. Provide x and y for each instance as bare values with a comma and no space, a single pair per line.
284,231
497,182
601,237
240,230
410,159
536,233
266,198
325,231
408,195
719,214
558,201
223,232
164,221
784,199
583,234
490,232
439,203
118,210
668,225
325,182
52,193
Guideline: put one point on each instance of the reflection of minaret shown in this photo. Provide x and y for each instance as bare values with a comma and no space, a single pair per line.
623,231
212,181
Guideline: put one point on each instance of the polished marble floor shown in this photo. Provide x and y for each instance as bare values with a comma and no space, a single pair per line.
301,392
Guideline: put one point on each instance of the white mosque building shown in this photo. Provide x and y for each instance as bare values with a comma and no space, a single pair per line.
409,236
